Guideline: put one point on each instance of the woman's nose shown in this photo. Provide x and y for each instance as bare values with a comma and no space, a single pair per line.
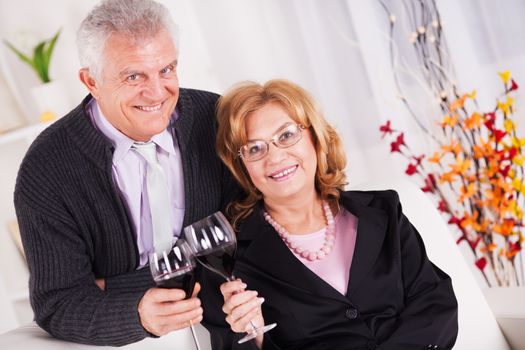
275,154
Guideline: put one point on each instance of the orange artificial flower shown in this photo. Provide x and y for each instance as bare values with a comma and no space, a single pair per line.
447,177
467,192
458,104
450,120
453,147
461,166
436,158
474,121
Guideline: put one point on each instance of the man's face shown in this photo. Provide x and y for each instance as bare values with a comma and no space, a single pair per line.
139,87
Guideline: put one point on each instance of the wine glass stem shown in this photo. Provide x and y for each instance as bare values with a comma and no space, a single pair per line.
254,327
197,346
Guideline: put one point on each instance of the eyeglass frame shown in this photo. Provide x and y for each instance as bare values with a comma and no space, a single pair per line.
274,141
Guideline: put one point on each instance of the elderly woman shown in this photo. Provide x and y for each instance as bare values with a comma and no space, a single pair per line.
334,269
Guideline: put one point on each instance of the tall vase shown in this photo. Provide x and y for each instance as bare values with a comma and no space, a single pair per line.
508,305
52,100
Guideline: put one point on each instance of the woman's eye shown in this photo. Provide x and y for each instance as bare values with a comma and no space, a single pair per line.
254,149
287,135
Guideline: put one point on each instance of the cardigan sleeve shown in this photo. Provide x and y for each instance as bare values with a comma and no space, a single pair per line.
430,311
66,301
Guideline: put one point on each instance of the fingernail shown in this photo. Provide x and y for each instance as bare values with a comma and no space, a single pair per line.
243,285
260,300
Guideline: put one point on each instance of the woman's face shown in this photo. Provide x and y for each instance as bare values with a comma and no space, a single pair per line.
283,173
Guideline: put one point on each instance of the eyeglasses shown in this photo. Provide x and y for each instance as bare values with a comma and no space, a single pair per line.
286,137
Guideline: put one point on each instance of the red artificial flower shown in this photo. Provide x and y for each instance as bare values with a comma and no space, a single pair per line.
430,183
418,159
442,206
511,153
481,263
386,129
515,247
411,169
505,171
473,244
455,220
499,134
401,138
513,85
395,146
491,119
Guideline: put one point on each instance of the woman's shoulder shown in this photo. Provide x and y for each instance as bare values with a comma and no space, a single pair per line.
371,197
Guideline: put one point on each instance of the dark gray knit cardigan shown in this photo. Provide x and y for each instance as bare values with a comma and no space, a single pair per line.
75,226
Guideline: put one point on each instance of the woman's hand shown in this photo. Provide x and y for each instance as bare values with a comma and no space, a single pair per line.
242,306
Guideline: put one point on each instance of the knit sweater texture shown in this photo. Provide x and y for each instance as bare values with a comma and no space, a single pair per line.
76,227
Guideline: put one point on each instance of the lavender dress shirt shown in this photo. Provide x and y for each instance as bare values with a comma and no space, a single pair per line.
129,173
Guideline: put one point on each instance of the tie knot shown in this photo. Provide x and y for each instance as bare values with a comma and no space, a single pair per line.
148,150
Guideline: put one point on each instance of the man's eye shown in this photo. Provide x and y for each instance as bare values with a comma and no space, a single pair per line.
132,77
167,70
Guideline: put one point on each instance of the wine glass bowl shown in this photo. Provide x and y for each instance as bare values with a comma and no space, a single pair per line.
213,242
174,268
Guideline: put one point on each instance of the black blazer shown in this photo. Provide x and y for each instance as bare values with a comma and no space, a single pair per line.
396,297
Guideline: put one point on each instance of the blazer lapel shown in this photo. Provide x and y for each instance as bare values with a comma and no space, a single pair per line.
371,229
267,254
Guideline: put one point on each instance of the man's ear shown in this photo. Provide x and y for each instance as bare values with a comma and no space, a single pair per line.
89,81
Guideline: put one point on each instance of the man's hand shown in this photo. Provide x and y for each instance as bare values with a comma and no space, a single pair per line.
164,310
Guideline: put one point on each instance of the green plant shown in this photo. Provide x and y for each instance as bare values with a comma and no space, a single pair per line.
41,56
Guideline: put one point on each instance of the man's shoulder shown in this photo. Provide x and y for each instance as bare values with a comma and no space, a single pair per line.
54,135
199,96
54,145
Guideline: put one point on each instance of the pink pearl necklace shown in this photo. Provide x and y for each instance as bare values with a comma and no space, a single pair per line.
329,237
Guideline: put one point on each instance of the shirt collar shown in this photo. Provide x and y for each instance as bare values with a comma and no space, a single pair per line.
123,143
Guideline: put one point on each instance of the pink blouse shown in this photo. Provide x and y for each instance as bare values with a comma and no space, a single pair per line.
335,268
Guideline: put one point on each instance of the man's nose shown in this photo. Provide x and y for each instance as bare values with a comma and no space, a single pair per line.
154,89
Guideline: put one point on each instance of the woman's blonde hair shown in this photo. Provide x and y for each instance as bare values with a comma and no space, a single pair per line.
246,97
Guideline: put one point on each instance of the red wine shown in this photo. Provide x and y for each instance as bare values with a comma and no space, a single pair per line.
181,279
219,260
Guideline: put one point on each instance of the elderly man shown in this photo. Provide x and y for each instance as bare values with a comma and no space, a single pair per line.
86,213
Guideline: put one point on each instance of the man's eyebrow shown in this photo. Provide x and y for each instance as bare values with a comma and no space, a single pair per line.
175,62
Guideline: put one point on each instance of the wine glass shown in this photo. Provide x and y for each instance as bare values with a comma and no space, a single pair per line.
213,242
175,268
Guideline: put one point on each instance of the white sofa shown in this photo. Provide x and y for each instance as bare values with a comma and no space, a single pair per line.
477,326
31,336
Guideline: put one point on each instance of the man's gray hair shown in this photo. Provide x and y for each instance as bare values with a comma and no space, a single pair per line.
137,19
